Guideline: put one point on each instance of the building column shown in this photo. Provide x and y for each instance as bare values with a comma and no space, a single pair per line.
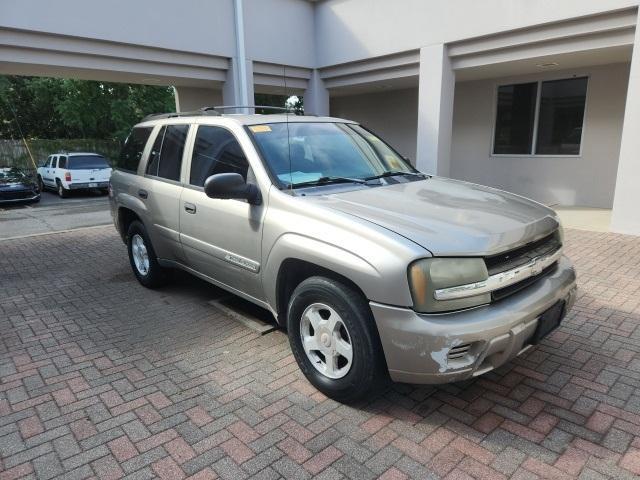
236,92
192,98
316,96
435,110
625,217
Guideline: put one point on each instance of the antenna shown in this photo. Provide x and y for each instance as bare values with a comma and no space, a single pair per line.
284,79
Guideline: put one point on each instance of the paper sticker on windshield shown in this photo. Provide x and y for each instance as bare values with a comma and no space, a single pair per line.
260,128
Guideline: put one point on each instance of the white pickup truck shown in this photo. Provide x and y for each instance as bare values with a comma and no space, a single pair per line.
74,171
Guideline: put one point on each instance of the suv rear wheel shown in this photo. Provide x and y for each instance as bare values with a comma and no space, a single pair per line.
62,192
334,339
142,257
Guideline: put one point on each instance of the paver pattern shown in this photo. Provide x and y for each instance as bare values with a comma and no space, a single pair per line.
100,377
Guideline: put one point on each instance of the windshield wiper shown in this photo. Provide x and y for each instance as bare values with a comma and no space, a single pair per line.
328,180
394,173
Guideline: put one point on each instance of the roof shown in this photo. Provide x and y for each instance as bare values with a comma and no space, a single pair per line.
243,119
74,154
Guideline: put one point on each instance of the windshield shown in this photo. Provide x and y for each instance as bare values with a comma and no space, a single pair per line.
300,154
87,162
12,174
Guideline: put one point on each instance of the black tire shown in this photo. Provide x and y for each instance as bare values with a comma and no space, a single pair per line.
62,192
156,275
368,370
40,184
104,191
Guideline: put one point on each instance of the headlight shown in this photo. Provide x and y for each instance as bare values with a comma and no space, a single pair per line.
431,274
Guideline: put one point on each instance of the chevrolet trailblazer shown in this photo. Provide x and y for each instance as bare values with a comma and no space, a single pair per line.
375,269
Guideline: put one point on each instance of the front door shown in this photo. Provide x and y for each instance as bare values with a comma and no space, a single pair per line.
221,238
48,178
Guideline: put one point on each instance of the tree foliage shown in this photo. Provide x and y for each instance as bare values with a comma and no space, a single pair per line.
54,108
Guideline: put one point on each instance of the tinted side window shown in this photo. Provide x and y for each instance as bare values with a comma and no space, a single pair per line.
54,162
561,116
216,150
514,118
175,137
154,154
62,162
132,149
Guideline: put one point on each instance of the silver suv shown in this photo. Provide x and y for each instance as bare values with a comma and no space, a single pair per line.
375,269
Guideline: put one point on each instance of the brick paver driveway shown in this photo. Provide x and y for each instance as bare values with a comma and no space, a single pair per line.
100,377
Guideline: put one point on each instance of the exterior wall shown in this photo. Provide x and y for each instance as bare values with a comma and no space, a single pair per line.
625,217
358,29
189,99
280,31
276,31
190,25
588,180
391,114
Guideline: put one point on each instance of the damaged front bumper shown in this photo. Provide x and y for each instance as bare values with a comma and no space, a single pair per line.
449,347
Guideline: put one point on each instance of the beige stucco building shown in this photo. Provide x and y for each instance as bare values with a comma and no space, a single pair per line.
538,97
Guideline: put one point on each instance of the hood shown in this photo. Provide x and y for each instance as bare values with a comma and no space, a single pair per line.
448,217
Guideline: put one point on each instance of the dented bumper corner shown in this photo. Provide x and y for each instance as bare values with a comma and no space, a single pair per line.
449,347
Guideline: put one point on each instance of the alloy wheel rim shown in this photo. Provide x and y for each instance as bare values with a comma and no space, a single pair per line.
326,340
140,255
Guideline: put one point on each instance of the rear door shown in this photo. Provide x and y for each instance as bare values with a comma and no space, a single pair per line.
162,188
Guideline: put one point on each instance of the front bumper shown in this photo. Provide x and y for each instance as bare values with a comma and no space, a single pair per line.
29,197
432,348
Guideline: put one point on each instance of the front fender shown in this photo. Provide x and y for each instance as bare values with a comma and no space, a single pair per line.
385,285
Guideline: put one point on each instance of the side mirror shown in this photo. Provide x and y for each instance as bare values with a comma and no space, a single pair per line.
231,186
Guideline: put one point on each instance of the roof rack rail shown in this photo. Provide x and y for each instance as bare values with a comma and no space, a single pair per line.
215,111
263,107
194,113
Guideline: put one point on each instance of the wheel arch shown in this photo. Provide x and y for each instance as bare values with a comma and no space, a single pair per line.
126,216
294,271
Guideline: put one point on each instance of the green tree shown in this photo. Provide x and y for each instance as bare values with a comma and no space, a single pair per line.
52,108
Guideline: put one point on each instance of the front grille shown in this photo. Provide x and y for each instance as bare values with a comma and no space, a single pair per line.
516,287
524,254
16,195
520,256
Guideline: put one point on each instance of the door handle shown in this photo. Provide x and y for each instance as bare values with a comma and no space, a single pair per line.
143,193
190,208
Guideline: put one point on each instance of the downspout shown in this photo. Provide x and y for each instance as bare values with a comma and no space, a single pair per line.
241,54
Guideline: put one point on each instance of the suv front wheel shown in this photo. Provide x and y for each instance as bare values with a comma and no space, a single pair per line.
142,257
334,339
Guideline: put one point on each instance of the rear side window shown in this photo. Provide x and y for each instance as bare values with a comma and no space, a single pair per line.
86,162
168,163
62,162
216,150
132,149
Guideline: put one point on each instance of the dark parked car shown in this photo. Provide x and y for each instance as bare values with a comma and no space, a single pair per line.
17,185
